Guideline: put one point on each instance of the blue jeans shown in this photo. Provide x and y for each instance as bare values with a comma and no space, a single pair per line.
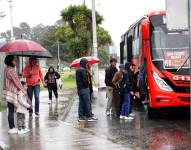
84,108
36,91
126,105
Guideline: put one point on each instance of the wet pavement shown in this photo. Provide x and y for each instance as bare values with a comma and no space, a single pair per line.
170,131
52,131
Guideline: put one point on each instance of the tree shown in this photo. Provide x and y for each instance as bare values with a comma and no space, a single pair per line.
76,31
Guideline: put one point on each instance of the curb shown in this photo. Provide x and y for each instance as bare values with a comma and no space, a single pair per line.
70,103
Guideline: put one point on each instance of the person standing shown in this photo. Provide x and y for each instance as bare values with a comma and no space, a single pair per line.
142,84
23,105
83,81
109,74
51,83
11,87
33,75
117,91
125,110
133,79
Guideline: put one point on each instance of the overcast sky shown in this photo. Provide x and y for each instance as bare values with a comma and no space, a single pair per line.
118,14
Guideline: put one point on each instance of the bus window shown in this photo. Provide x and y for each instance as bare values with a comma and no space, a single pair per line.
136,42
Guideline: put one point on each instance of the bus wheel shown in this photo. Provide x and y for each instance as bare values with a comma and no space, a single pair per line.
151,113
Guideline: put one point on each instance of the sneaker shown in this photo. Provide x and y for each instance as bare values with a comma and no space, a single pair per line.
50,101
132,115
128,118
21,132
26,130
13,131
37,114
92,119
121,117
81,119
95,118
107,113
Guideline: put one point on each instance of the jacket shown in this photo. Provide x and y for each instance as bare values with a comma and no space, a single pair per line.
34,79
109,74
48,78
128,85
11,86
82,80
22,103
117,77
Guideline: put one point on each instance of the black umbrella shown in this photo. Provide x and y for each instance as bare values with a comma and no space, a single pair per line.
42,54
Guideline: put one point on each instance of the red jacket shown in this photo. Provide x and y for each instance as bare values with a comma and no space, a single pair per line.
33,75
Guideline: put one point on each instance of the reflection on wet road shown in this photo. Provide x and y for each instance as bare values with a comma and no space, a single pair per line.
168,132
48,133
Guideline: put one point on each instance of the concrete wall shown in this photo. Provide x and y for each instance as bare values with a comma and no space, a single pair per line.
2,56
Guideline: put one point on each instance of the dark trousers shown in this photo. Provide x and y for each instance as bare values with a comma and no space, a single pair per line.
36,91
84,108
54,89
116,102
21,121
131,104
11,115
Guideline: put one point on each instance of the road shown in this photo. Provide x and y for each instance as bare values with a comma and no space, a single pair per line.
48,132
169,132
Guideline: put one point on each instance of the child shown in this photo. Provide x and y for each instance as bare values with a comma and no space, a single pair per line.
50,80
22,110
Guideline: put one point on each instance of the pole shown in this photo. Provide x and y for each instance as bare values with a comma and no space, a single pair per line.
11,18
96,71
84,2
189,20
58,55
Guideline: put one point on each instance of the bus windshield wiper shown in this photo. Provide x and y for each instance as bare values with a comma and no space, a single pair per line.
183,64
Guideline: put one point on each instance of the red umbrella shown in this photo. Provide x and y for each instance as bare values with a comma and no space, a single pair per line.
91,60
21,46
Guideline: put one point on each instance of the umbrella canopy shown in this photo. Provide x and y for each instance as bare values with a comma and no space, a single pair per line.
43,54
91,60
21,46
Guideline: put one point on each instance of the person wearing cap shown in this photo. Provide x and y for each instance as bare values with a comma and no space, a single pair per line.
117,92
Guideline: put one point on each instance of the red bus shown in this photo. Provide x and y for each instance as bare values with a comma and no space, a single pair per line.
167,60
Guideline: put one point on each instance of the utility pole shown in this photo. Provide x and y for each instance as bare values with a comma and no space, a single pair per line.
58,56
96,70
84,2
11,18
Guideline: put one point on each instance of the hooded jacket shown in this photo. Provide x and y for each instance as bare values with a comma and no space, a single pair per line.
127,79
82,75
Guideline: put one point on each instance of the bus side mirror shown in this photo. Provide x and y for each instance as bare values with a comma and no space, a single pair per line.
145,30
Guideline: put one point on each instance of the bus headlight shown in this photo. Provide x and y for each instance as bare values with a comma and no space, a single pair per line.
161,83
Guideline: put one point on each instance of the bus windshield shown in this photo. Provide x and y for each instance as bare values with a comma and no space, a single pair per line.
170,49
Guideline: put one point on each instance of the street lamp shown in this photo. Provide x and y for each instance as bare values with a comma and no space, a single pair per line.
11,18
96,71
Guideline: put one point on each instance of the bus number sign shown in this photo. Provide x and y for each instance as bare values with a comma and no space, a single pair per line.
182,78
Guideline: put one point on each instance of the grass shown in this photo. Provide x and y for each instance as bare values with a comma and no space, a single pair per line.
68,80
2,106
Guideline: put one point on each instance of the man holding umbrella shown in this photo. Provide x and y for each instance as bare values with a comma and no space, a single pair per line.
82,81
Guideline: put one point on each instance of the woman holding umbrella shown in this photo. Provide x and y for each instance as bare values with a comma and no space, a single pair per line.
33,75
11,88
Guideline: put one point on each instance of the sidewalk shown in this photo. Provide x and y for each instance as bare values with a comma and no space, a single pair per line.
48,132
45,130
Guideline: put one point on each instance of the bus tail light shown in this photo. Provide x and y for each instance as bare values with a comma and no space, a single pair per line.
161,83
